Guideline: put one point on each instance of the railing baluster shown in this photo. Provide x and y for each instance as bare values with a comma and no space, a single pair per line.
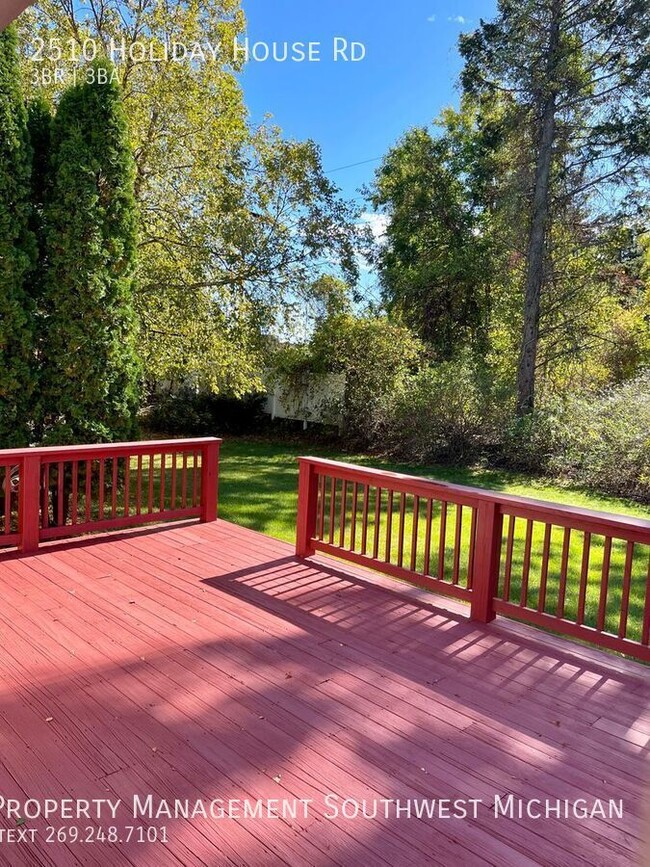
375,542
400,531
199,477
426,566
564,565
414,532
584,578
507,575
321,507
625,594
525,572
114,481
100,507
645,634
330,528
127,486
364,519
138,488
163,469
604,584
88,492
172,494
74,506
472,549
7,499
45,496
150,480
184,482
60,519
344,506
543,578
195,478
353,517
457,543
443,540
389,526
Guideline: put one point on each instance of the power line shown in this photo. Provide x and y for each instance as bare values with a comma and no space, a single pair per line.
353,165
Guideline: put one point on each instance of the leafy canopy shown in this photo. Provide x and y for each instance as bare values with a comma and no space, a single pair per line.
235,220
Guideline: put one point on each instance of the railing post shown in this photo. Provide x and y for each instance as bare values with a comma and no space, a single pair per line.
29,502
307,508
487,560
209,481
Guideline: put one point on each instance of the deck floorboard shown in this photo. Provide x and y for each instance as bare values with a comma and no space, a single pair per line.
205,661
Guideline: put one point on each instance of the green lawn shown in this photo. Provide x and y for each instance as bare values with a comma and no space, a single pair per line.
259,484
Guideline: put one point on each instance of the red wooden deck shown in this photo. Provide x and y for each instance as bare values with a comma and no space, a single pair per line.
205,661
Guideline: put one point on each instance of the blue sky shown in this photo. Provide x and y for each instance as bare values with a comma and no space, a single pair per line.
355,111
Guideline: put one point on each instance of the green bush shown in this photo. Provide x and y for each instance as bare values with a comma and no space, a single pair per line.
370,353
604,440
436,414
529,444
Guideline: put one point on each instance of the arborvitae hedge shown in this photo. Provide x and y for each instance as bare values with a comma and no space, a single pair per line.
39,126
90,371
17,253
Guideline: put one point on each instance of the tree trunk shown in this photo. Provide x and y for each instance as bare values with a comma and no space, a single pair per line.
538,229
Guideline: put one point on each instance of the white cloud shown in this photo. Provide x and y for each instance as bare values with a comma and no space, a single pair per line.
431,18
378,224
459,19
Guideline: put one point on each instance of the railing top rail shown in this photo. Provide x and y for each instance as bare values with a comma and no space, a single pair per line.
139,447
548,511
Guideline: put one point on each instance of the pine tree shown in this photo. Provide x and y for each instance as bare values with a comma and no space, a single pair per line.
90,371
17,252
577,74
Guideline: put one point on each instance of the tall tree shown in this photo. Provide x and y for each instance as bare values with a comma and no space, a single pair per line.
235,221
89,386
17,252
578,75
433,260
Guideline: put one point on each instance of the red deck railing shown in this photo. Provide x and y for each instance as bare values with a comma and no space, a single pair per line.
52,493
579,573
